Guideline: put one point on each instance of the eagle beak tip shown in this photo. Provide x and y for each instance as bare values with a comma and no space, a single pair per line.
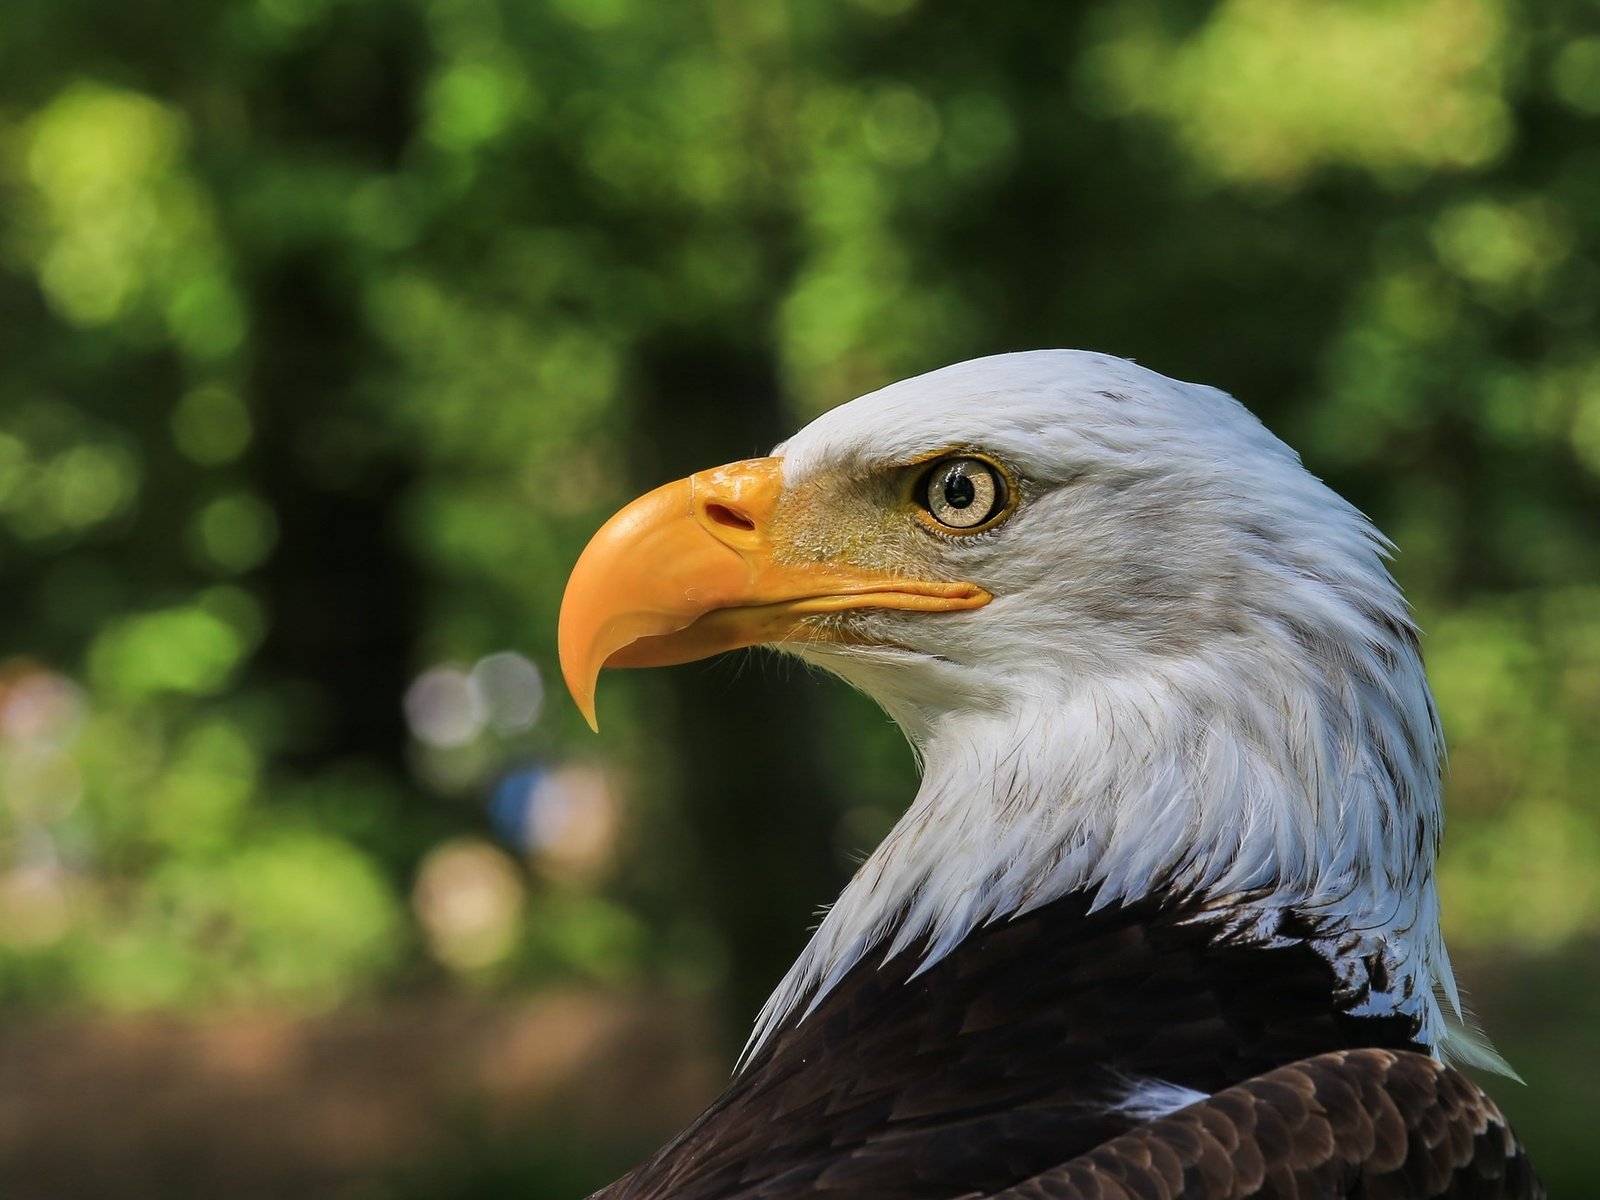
583,696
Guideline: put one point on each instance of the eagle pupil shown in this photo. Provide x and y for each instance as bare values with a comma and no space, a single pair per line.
958,490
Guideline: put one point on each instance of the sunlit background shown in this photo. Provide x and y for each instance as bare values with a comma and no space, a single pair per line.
329,331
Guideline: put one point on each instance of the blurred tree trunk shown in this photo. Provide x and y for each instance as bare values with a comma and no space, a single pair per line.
342,591
341,595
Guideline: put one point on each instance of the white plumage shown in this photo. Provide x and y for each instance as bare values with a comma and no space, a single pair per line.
1196,673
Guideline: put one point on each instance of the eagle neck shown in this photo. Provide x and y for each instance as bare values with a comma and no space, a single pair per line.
1316,807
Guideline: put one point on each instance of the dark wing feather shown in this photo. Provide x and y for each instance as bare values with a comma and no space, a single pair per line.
1007,1057
1359,1124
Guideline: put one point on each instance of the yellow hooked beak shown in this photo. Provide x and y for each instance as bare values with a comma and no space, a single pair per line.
689,570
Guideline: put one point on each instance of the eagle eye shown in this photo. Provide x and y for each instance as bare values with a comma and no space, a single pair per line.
964,493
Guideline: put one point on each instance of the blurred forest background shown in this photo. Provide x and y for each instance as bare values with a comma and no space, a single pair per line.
330,330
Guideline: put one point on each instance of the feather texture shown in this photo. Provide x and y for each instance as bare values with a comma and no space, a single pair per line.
1161,920
1197,669
1011,1057
1353,1123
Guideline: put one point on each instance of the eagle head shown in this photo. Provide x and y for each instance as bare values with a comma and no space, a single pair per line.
1138,647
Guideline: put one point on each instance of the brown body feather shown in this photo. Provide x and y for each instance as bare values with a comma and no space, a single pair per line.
1007,1065
1368,1124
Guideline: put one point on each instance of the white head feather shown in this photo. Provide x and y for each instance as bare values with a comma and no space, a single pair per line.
1196,674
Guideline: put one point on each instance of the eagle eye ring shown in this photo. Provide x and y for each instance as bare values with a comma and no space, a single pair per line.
964,494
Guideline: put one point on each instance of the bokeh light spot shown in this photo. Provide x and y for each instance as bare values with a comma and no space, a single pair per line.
211,425
443,708
1576,74
235,533
185,650
510,690
469,899
36,906
92,482
901,127
565,818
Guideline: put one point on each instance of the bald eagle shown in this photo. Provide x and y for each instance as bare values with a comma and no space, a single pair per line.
1161,918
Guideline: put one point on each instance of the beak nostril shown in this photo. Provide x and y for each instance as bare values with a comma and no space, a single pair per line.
721,514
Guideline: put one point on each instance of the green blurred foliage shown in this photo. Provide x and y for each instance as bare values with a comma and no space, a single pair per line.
331,329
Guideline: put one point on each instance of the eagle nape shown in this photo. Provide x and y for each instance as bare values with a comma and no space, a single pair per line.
1161,918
